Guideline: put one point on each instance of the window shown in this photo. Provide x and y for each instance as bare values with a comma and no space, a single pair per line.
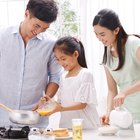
12,12
68,19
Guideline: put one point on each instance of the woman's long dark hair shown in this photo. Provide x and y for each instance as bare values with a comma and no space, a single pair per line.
110,20
68,45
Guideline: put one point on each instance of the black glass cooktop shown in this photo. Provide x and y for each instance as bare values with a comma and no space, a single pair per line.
14,133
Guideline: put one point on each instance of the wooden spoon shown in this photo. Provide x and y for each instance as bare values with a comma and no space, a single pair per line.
7,108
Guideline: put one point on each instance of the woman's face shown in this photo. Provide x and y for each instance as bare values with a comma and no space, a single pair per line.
106,36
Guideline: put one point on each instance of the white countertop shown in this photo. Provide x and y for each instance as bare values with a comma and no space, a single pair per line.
121,135
94,135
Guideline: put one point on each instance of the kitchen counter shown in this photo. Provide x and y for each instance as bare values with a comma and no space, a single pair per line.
93,134
121,135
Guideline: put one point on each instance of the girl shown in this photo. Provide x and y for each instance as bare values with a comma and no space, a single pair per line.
76,95
122,63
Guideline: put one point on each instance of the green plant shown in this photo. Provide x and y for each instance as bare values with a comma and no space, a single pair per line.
67,21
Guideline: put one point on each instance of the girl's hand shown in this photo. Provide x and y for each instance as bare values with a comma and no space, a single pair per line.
40,103
57,108
118,100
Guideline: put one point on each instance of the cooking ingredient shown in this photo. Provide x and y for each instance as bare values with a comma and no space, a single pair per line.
46,108
44,112
77,129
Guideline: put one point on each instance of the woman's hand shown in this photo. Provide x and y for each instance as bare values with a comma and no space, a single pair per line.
119,100
104,120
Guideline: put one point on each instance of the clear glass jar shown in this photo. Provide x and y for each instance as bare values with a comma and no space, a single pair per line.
34,134
48,134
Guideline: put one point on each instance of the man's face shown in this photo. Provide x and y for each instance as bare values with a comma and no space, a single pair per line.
34,26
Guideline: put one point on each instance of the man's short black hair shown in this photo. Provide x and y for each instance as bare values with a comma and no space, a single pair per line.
44,10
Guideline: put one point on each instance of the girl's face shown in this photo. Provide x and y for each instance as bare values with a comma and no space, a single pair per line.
68,62
106,36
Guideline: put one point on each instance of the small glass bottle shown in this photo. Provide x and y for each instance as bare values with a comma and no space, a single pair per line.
34,134
48,134
77,129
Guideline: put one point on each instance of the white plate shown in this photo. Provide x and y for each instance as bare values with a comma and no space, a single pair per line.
64,138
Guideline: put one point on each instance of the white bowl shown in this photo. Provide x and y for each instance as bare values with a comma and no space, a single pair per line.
108,130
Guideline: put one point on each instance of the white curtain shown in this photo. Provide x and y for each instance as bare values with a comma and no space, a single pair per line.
128,11
12,11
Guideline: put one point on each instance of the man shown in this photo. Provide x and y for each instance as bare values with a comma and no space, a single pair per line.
27,62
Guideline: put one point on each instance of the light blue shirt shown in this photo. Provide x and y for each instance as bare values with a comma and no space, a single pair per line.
25,71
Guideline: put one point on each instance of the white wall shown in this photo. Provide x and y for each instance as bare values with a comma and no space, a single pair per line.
12,11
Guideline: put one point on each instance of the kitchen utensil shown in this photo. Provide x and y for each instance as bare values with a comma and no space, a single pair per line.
121,117
47,107
22,116
5,107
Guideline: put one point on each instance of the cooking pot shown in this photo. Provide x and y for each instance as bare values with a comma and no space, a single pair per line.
24,117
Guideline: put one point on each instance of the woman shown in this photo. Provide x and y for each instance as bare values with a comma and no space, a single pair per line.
121,61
